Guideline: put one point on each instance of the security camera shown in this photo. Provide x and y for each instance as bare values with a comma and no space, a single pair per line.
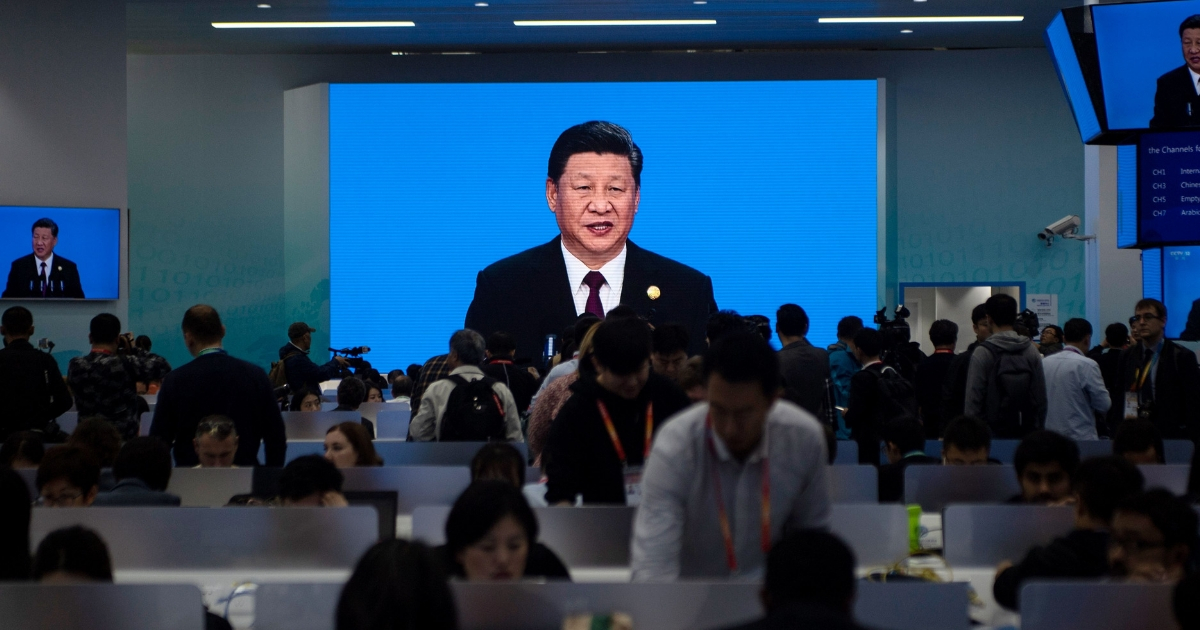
1066,227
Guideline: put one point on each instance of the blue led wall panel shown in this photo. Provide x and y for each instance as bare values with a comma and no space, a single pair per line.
1152,273
1127,235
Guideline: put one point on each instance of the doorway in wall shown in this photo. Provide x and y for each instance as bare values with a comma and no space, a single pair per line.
928,302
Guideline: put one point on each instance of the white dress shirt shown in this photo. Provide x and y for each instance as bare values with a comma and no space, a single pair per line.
614,278
1075,392
676,531
1195,80
37,265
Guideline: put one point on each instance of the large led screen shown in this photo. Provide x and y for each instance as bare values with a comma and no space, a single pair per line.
441,214
1181,291
60,253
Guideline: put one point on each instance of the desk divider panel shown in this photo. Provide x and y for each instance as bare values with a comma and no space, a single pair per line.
1178,451
847,452
101,606
414,485
934,487
69,420
210,487
878,533
257,538
29,476
857,483
1173,477
391,423
986,535
913,605
1078,605
312,425
1094,448
401,453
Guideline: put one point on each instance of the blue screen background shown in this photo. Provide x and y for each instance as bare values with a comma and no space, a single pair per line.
767,187
1137,43
1062,52
89,237
1180,285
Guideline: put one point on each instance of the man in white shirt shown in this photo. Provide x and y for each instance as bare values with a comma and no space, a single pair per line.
467,349
726,479
1075,390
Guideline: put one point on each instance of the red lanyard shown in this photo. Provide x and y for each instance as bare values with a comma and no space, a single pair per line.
616,439
100,351
723,515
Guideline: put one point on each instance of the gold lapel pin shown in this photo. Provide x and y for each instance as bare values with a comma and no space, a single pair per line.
653,292
60,268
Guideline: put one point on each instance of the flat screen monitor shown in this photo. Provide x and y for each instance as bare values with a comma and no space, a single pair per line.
1061,43
60,253
1181,292
1169,188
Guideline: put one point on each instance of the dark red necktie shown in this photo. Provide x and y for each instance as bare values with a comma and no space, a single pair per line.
45,280
594,280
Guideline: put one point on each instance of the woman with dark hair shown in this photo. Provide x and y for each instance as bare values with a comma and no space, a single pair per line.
397,585
23,449
348,445
491,535
374,393
72,554
305,400
15,512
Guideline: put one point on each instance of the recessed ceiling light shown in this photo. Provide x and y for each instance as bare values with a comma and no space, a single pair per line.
914,19
699,1
614,22
918,0
264,6
311,24
396,53
906,31
481,4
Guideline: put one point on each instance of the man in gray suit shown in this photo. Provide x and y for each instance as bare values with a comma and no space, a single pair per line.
805,368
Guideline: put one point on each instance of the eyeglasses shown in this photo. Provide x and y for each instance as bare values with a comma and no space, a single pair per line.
1145,317
1133,545
60,500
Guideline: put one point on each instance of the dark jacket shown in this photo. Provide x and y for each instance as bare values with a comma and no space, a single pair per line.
302,372
862,414
954,395
984,392
529,296
891,476
1175,101
520,382
24,280
32,390
805,370
1176,390
802,616
217,383
1109,360
106,385
1080,554
540,562
579,457
134,492
932,376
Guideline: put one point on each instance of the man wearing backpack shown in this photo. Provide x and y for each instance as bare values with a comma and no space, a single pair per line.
467,406
1006,385
878,394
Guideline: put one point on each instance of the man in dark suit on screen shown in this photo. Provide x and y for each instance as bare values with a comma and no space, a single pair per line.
1177,99
42,274
593,188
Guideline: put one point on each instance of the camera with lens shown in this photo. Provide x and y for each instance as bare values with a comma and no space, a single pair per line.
899,350
1027,324
353,357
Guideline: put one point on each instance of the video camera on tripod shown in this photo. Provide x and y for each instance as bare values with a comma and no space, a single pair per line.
353,358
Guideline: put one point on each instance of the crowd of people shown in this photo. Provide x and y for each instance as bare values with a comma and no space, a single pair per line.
725,455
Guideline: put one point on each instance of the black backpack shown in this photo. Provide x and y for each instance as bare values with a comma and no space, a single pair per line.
1012,376
897,396
474,413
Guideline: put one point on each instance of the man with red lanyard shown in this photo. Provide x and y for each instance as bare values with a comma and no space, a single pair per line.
599,441
728,478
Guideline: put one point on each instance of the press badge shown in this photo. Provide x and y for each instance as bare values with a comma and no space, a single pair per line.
633,485
1131,406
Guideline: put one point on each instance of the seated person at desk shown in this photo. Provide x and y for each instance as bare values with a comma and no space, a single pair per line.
1045,462
492,535
904,442
1099,485
1153,537
23,449
305,400
374,393
351,393
348,445
501,461
142,471
1139,442
810,584
311,481
68,477
967,442
397,584
216,442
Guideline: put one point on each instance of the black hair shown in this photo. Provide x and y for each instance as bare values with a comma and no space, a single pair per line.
791,320
308,475
760,324
979,313
1117,335
583,324
105,328
967,433
216,425
203,323
413,371
17,320
724,323
45,222
501,344
1191,21
1159,307
498,460
100,437
594,137
73,550
1103,482
480,507
1171,515
811,566
469,346
906,432
1002,309
1045,447
670,338
943,332
78,465
744,358
620,311
1075,330
622,345
402,386
869,341
145,458
15,512
298,397
27,445
143,342
397,585
1137,435
849,326
351,392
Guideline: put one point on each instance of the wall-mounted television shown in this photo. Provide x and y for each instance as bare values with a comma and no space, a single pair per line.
55,253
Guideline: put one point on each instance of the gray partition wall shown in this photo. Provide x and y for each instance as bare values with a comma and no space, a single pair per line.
312,425
210,487
1173,477
847,452
933,487
1095,606
986,535
414,485
858,483
183,539
878,534
101,606
913,606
